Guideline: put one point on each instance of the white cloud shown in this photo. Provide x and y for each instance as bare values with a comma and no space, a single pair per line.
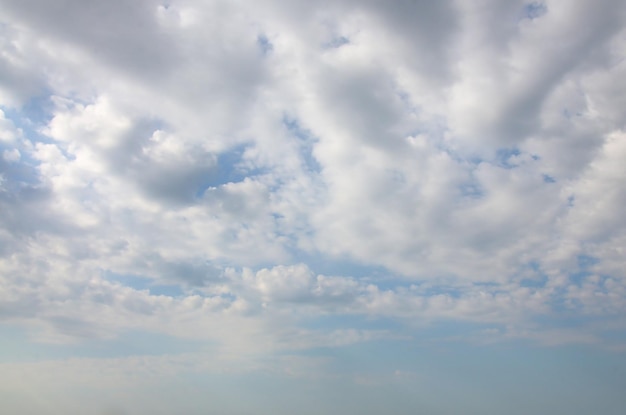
473,154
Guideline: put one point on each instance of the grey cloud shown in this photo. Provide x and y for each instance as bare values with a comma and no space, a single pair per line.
425,29
136,152
423,144
118,32
180,181
576,48
191,273
369,106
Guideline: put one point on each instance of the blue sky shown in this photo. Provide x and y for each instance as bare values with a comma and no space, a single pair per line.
262,207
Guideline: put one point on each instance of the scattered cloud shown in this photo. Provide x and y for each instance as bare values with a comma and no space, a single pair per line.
275,178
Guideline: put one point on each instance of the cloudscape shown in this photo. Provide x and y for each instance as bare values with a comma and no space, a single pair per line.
316,207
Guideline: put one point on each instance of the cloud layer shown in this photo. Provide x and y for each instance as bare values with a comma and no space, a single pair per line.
235,171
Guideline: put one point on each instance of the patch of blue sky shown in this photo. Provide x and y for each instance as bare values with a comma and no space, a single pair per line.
586,261
341,266
425,354
166,290
336,42
548,179
19,173
531,275
509,370
306,140
396,175
388,351
378,275
436,132
571,200
350,322
445,332
440,289
406,377
579,277
144,283
546,374
539,282
19,345
293,126
148,343
616,337
468,159
472,160
535,10
231,168
503,157
412,378
281,391
571,318
39,109
568,114
471,190
34,114
486,284
401,333
264,44
560,307
409,105
23,168
564,307
585,269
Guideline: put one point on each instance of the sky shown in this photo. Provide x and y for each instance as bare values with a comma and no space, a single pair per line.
315,207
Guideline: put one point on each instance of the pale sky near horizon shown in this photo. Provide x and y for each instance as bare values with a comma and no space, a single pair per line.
315,207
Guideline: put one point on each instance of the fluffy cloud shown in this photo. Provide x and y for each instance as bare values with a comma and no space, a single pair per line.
469,159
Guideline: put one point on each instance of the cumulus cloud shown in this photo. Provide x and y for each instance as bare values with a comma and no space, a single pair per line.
462,163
